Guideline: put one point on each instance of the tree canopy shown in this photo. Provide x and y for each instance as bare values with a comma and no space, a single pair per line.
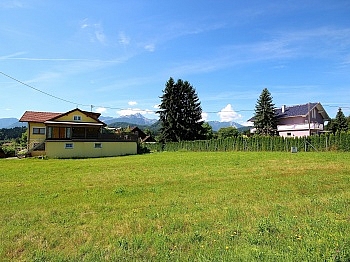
180,112
340,123
265,116
226,132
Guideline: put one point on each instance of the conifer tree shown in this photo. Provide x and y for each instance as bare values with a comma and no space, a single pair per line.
340,121
180,112
265,117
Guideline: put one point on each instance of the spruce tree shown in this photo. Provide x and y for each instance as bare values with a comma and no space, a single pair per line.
340,121
180,112
265,117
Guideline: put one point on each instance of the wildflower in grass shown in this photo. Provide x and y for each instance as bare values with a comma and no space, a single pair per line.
227,247
298,237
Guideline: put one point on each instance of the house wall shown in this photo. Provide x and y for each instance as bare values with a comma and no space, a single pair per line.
292,120
56,149
35,138
300,133
70,117
318,117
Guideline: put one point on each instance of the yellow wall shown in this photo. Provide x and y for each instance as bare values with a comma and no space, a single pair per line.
70,116
56,149
35,138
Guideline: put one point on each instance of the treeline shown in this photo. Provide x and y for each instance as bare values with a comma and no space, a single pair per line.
324,142
12,133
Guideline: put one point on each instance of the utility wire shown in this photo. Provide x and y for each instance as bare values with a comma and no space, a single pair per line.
118,108
43,92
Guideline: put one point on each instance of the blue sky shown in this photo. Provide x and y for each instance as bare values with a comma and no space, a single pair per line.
118,55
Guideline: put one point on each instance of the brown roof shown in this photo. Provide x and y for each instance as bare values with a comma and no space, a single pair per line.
39,117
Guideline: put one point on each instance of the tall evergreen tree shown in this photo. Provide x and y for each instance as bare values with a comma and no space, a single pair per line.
180,112
340,121
265,117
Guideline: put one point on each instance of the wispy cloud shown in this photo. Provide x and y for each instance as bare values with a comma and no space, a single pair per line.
124,40
11,4
150,47
11,56
132,103
322,43
94,30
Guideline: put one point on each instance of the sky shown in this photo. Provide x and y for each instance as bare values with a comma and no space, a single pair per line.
114,57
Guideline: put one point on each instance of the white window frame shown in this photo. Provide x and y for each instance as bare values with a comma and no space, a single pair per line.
69,145
77,118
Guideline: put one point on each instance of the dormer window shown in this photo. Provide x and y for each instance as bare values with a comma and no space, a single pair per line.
77,118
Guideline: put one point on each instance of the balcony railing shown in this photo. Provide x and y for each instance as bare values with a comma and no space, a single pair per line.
101,137
295,127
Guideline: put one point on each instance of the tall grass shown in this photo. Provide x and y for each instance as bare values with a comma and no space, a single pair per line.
184,206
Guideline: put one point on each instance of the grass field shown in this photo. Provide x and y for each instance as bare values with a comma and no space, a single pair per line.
183,206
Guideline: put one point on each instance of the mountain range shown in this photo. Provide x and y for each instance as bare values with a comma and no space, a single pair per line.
10,122
135,119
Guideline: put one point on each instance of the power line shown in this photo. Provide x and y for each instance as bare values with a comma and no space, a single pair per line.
107,107
43,92
118,108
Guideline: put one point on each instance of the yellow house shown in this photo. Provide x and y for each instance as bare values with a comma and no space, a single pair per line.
75,133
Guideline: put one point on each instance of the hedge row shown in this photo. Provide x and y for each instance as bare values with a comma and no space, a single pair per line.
324,142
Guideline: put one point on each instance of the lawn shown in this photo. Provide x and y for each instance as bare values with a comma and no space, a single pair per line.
182,206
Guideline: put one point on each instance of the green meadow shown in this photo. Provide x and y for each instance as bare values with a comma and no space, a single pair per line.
177,206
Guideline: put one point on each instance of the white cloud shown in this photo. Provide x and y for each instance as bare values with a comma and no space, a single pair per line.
100,36
150,47
84,23
100,110
132,103
227,114
123,39
204,116
133,111
94,30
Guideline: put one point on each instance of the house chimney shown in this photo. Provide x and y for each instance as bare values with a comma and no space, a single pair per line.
283,108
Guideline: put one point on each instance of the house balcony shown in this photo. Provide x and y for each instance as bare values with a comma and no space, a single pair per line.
299,127
123,137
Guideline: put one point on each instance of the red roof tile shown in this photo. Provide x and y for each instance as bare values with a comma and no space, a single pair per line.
39,117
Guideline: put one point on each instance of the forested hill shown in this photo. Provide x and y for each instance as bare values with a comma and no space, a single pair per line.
11,133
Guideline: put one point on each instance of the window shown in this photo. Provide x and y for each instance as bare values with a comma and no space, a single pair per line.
313,113
77,118
98,145
68,132
289,134
39,130
68,146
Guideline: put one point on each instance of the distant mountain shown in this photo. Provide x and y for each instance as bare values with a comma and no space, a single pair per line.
135,119
10,123
216,125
